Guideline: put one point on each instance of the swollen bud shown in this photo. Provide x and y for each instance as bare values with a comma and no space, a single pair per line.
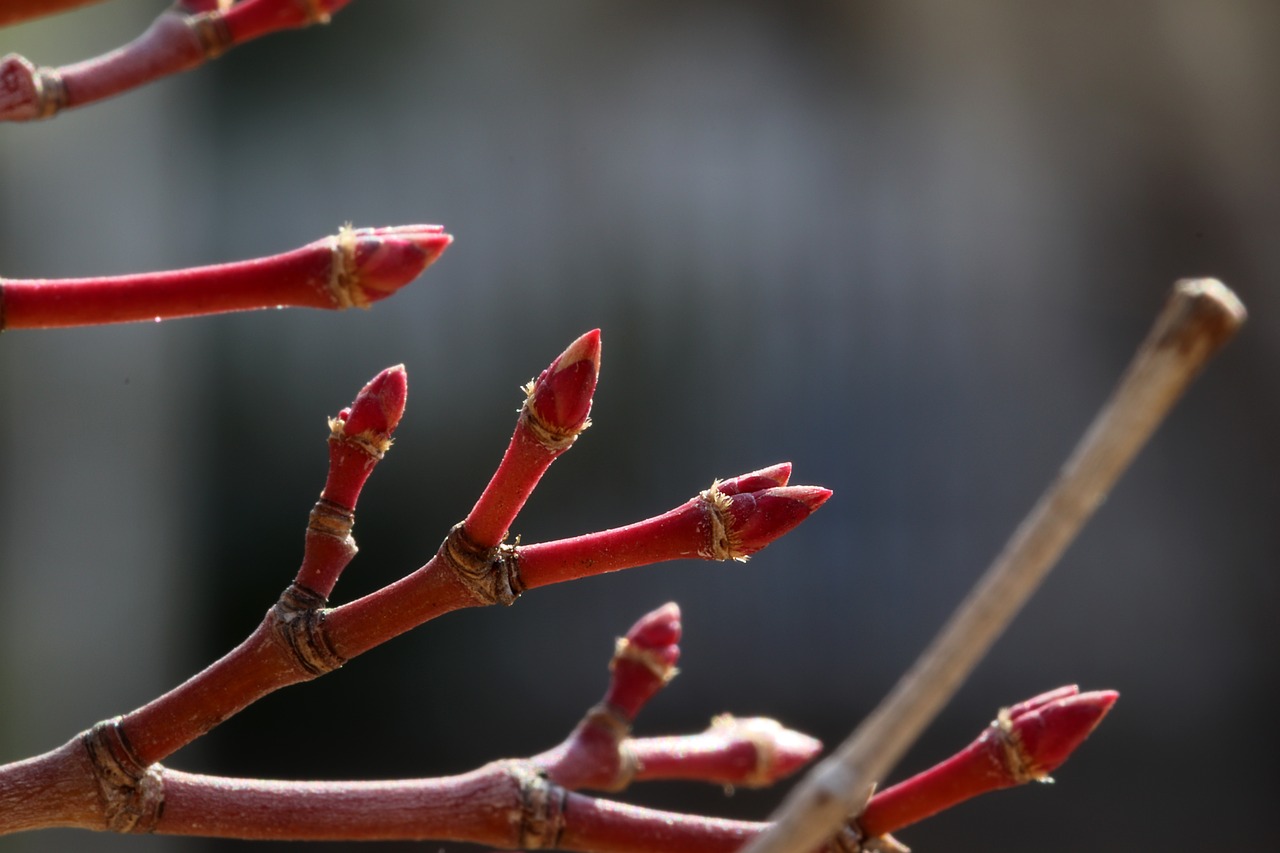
378,407
383,260
559,400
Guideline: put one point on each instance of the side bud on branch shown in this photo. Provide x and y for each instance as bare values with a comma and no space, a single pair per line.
715,525
554,413
358,438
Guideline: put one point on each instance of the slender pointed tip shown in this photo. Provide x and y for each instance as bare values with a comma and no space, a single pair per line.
585,348
811,496
1037,702
753,481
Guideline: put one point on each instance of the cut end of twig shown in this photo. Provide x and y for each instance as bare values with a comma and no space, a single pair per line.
28,92
1201,315
744,522
1044,731
558,404
370,264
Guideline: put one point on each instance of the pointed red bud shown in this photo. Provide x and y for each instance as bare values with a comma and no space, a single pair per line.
645,660
384,260
560,398
754,519
1025,743
379,405
1048,729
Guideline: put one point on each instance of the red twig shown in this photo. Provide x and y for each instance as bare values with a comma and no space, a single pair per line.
555,412
181,38
358,438
714,525
355,268
1025,743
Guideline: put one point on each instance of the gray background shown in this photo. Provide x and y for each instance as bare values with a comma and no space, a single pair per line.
907,245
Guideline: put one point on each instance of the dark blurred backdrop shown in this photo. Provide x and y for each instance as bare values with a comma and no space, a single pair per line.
907,245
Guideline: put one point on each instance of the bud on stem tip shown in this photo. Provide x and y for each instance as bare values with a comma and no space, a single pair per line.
560,398
1025,743
379,405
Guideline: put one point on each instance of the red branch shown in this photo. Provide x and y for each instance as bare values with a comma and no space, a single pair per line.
181,38
356,268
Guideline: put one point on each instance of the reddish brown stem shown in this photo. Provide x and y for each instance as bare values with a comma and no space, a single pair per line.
181,38
355,268
504,804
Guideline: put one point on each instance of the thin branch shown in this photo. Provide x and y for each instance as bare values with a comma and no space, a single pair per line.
355,268
182,37
1200,316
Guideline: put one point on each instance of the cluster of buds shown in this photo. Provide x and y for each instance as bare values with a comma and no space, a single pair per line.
302,637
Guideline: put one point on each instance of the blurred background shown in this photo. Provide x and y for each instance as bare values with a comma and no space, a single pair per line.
907,245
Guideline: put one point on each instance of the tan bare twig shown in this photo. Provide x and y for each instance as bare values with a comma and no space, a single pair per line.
1200,316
